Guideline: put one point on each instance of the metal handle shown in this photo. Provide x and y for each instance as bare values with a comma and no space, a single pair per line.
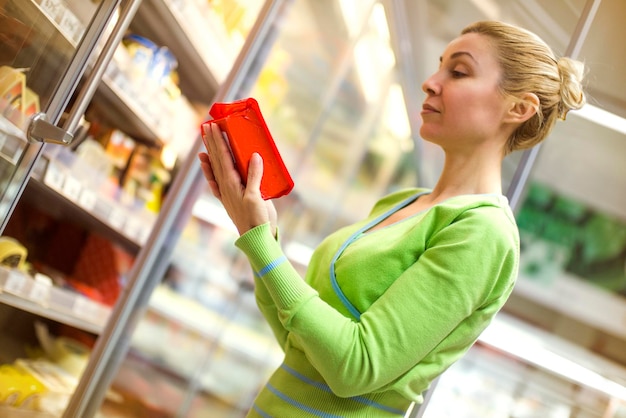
92,81
40,130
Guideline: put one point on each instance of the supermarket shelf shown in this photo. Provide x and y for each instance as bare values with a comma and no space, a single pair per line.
211,325
231,361
204,56
22,292
58,192
558,356
50,201
577,299
112,103
63,20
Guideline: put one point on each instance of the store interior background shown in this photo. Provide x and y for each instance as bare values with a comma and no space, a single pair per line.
339,84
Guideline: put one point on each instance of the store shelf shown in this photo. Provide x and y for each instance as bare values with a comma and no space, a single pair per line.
156,21
578,299
199,39
114,106
110,225
64,20
48,301
58,191
145,117
211,325
230,360
557,356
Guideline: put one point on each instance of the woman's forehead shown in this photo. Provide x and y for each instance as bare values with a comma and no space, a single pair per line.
474,46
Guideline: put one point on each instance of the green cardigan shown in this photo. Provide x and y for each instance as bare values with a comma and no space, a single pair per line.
382,313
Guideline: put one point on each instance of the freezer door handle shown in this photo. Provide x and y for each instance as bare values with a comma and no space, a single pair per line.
40,130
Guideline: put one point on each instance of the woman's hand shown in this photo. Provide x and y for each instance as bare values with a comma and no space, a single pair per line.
244,204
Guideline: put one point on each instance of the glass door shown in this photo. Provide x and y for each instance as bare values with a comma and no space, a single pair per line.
52,55
45,49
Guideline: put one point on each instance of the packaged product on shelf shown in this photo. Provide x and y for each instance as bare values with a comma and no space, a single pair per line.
12,253
19,388
69,354
144,178
30,103
92,164
141,51
119,147
12,86
99,270
58,385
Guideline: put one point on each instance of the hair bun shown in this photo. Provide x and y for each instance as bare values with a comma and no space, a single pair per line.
572,73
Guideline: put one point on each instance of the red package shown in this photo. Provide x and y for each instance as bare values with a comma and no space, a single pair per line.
247,133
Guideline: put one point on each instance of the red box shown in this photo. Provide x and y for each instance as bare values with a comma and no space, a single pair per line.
247,133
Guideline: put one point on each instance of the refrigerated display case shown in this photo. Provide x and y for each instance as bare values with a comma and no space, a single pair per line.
77,211
134,260
46,51
517,370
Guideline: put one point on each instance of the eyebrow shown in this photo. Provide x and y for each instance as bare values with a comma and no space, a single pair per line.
458,54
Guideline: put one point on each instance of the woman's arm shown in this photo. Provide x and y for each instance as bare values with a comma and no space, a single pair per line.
244,205
270,312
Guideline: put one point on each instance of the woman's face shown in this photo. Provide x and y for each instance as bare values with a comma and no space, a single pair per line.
464,107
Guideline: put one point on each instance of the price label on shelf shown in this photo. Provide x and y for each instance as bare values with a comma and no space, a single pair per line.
117,218
144,233
70,25
53,8
132,227
72,188
121,81
15,283
87,200
85,308
54,177
39,292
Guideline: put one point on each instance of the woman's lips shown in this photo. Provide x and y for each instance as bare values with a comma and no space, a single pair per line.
426,108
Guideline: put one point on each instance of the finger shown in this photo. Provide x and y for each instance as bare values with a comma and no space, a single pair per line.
207,171
209,142
205,165
255,173
219,152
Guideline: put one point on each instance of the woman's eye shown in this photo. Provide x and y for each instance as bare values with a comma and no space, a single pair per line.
457,74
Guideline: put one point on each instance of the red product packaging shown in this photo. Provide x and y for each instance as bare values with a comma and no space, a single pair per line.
247,133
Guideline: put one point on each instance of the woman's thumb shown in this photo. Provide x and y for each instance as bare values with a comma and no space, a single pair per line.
255,172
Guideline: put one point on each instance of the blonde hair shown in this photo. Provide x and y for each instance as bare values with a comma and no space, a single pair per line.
529,66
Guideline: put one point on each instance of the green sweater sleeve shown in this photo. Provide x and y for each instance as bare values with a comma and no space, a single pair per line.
268,308
428,317
269,311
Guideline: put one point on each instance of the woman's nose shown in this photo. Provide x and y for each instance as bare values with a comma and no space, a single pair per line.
430,86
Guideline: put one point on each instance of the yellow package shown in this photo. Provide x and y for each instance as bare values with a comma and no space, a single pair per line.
18,388
12,86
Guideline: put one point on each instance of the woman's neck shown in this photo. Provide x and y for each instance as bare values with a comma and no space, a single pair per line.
478,174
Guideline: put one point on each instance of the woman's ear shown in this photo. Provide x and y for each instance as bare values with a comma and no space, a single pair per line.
523,108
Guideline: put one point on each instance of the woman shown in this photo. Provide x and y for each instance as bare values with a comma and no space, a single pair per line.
391,302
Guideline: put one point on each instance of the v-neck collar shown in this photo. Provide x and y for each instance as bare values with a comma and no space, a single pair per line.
333,279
